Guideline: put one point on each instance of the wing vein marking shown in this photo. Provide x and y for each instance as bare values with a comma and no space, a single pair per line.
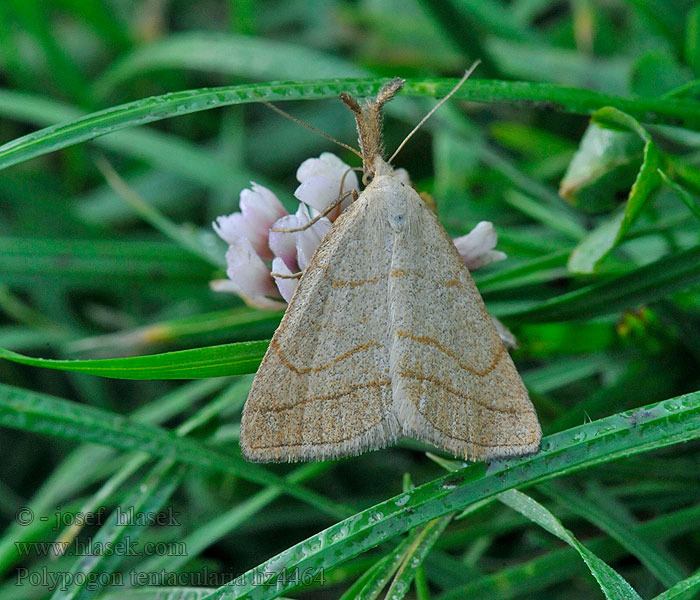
438,382
424,339
337,440
394,273
275,345
372,384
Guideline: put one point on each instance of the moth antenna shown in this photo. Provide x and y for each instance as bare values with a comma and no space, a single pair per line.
286,115
368,116
460,83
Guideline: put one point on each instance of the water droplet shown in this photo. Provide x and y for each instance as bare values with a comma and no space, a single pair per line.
375,516
401,500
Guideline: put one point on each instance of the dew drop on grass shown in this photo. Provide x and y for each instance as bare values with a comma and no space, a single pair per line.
401,500
375,516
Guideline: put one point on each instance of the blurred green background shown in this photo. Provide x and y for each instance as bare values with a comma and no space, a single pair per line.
595,206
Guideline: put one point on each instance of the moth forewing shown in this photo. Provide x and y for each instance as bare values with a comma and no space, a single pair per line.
386,336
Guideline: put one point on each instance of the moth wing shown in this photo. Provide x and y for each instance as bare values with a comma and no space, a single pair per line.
323,389
455,385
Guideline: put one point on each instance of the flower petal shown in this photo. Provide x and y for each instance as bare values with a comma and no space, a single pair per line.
321,180
286,286
230,227
318,192
246,270
284,245
308,240
507,337
260,208
476,248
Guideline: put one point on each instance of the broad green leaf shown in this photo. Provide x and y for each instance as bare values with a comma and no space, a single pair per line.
604,165
598,244
614,586
673,421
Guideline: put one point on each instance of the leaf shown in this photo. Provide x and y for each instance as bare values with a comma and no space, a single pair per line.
558,566
598,244
40,413
605,512
171,153
655,73
687,589
221,525
614,586
692,39
673,421
216,324
239,55
147,498
156,108
418,550
605,163
198,363
85,262
688,199
648,283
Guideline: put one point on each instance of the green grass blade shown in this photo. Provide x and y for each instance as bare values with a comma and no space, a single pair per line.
148,110
147,498
221,323
625,434
171,153
211,361
87,261
648,283
243,56
223,524
417,552
687,589
614,586
557,567
40,413
600,510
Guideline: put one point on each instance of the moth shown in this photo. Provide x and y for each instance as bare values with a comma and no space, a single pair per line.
386,336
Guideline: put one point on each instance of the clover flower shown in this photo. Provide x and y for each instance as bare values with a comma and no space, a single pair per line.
268,247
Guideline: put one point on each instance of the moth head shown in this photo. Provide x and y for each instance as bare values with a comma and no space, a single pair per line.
368,116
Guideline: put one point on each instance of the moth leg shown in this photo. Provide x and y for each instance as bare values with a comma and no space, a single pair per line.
292,276
341,198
